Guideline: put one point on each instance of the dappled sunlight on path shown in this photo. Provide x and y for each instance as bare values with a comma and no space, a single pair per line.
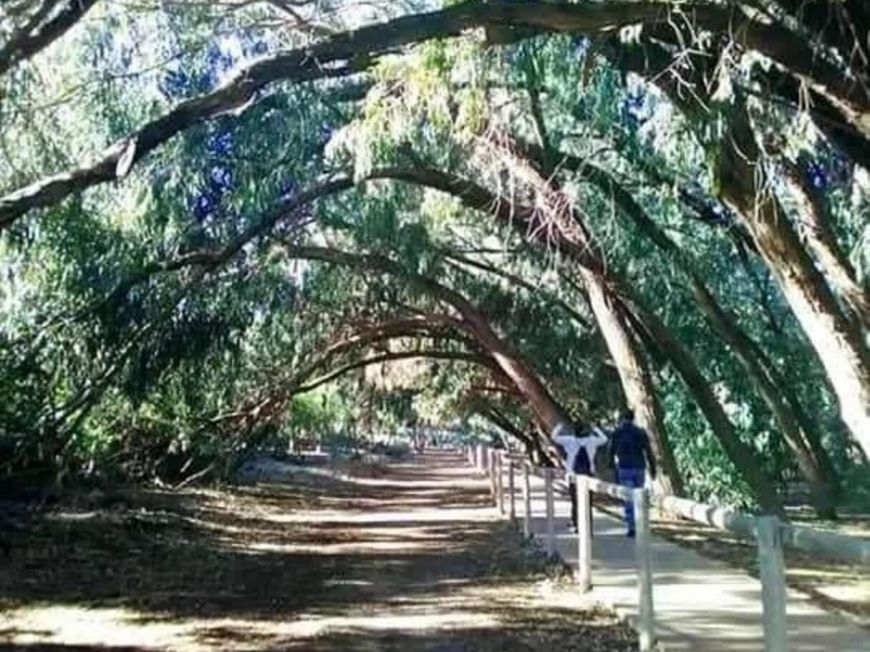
414,560
700,604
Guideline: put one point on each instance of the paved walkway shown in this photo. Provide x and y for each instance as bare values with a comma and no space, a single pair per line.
700,604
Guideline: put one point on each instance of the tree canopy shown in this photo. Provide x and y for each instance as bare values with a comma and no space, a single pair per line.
227,226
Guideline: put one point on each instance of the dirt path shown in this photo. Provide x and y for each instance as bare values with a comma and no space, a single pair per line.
411,561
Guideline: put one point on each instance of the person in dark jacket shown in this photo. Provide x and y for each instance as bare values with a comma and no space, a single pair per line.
631,456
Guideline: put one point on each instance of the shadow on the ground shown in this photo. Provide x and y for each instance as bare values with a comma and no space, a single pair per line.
555,629
518,630
242,553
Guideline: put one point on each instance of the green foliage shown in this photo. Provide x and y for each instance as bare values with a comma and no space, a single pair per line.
112,366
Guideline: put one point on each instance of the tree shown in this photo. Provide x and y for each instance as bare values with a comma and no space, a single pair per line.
290,233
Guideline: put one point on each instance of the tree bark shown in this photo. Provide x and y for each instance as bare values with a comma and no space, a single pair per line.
513,279
354,50
571,239
739,453
576,245
826,115
633,370
527,222
841,24
530,386
836,339
37,35
813,228
637,382
797,430
580,251
742,186
799,433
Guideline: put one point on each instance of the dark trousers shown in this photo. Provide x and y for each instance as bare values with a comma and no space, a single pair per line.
633,479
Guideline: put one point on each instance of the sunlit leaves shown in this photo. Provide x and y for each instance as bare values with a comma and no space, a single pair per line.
108,351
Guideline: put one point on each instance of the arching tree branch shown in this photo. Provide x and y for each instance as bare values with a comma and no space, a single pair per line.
539,398
38,33
353,51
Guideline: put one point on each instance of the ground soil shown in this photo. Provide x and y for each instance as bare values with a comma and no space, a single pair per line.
411,561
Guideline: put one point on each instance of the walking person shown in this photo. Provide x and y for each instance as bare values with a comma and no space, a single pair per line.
631,456
579,445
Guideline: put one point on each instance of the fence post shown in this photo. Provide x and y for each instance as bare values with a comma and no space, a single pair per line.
645,611
512,490
527,502
499,481
584,535
773,594
490,471
551,521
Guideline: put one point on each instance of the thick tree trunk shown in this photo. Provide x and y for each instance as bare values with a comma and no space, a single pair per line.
840,24
526,221
814,231
739,453
836,338
797,430
634,374
548,411
637,383
827,117
578,244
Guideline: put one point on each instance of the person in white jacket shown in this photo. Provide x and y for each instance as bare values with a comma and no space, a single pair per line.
579,445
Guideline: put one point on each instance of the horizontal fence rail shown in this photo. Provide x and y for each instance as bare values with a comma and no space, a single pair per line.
770,533
721,518
837,547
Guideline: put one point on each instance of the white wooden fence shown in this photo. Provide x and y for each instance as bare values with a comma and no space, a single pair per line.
769,532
